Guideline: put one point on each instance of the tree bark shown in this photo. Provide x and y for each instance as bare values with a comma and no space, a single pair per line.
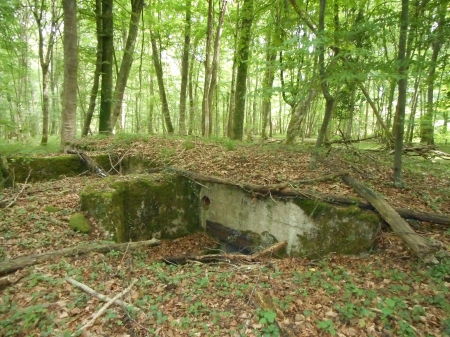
98,70
242,67
127,60
422,247
329,99
107,68
159,77
69,113
426,122
185,68
402,92
9,266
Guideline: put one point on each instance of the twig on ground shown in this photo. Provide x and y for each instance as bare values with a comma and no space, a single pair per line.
104,308
20,192
101,297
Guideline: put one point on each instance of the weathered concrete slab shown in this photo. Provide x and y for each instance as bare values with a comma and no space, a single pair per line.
311,228
139,207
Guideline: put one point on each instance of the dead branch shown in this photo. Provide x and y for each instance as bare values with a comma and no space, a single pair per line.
104,308
423,247
9,266
20,192
214,258
270,250
101,297
288,190
90,163
349,141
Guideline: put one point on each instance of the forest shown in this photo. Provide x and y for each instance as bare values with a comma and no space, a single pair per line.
140,140
237,69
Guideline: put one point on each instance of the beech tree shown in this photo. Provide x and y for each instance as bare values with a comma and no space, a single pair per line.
69,111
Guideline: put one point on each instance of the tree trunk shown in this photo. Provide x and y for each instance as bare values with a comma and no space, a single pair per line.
127,60
69,113
215,65
98,70
402,91
242,66
185,68
426,122
9,266
329,99
422,247
159,77
107,68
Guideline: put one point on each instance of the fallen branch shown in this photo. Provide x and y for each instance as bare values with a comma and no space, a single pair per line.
20,192
89,162
9,266
349,141
104,308
423,247
288,190
101,297
213,258
270,250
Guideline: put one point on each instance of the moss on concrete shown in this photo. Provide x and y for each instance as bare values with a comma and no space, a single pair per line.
48,168
142,206
79,223
340,230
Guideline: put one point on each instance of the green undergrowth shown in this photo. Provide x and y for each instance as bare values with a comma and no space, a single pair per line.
206,300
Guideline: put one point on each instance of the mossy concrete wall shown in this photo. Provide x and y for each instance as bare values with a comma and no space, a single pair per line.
48,168
310,227
138,207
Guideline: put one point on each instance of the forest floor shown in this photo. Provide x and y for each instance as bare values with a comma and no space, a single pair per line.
388,292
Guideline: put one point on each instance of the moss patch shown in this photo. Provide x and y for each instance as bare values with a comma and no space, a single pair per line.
48,168
139,207
340,230
79,223
51,209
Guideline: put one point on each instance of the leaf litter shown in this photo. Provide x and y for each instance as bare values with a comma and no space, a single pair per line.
385,293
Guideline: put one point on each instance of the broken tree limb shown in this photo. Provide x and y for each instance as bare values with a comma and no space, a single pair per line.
270,250
422,247
9,266
103,309
101,297
213,258
90,163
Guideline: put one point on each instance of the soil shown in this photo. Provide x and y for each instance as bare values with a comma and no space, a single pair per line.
386,292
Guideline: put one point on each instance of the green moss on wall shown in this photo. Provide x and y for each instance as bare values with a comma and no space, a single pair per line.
48,168
340,230
142,206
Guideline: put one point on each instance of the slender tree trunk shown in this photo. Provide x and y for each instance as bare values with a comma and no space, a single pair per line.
127,60
402,90
185,68
69,113
426,123
44,55
151,107
329,99
215,64
107,68
159,77
242,66
98,70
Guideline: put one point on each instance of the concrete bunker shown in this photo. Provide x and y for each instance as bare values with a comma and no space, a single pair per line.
167,206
